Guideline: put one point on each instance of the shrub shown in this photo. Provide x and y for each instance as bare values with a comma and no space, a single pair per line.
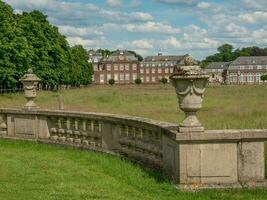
164,80
111,81
264,77
138,81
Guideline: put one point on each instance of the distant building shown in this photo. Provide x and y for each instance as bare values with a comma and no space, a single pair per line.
217,72
154,68
122,66
247,70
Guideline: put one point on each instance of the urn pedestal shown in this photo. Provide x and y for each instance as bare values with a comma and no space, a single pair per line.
30,81
190,83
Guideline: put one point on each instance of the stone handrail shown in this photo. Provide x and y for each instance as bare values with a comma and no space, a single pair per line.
136,138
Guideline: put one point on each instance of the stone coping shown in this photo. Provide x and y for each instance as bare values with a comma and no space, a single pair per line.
233,135
113,118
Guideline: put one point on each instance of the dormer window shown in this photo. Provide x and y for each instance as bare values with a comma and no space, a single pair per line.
121,52
253,61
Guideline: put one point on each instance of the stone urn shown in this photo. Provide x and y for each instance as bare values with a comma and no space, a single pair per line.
30,81
190,83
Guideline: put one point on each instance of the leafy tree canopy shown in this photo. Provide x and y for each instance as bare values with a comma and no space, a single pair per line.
29,40
226,53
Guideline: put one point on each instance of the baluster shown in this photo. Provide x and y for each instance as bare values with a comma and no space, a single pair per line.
77,132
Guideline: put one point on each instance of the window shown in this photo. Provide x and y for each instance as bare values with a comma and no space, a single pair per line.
250,67
127,67
233,77
241,67
166,64
259,67
121,67
147,79
153,70
242,78
258,77
142,65
134,76
115,77
134,67
141,71
127,77
153,65
160,77
147,65
159,70
142,79
95,68
116,67
147,70
102,78
166,70
108,67
153,79
108,76
172,64
122,77
250,77
159,65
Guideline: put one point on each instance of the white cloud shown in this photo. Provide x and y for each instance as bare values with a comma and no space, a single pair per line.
152,27
255,17
115,3
176,1
80,31
204,5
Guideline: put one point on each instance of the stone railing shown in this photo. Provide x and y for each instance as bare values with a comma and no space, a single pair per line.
189,154
136,138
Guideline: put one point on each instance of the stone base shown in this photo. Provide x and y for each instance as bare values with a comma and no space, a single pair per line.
182,129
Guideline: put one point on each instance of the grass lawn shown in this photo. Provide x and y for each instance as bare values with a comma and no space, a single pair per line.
223,106
42,172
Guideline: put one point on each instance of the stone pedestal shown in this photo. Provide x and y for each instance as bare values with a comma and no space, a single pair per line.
190,82
30,81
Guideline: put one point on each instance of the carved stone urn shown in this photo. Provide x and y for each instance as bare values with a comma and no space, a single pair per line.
190,83
30,81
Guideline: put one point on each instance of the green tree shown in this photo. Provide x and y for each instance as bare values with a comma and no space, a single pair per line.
81,70
264,77
138,81
164,81
111,81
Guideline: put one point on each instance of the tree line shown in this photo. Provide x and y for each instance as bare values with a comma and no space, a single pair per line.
28,40
227,53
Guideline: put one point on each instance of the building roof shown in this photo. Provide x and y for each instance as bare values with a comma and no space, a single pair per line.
120,55
161,58
218,65
250,60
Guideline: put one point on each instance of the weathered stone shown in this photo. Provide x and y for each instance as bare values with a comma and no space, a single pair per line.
30,81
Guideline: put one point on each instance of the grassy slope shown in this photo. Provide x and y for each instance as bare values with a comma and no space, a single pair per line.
223,107
38,171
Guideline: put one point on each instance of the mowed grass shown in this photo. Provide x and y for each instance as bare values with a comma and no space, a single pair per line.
223,106
44,172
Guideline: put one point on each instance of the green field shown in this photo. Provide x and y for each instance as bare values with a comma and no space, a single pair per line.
43,172
223,106
39,171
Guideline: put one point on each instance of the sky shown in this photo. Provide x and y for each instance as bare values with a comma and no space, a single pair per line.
176,27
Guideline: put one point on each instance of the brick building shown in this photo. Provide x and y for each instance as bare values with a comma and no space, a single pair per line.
154,68
217,72
247,70
122,66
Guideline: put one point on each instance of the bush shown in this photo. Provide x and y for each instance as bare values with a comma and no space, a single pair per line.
264,77
138,81
111,81
164,80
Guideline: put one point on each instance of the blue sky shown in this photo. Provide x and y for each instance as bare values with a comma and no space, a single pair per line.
196,27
